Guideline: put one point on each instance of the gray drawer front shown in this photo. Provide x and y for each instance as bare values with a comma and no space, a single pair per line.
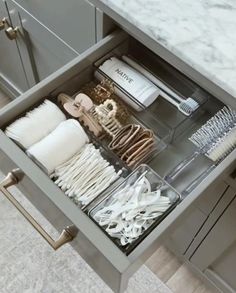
180,240
36,197
211,196
211,220
72,21
98,251
224,268
58,219
120,266
231,179
42,51
216,254
183,235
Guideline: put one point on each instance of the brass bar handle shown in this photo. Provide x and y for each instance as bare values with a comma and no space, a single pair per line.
11,33
2,23
67,234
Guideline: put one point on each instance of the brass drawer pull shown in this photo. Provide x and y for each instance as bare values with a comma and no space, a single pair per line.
67,234
11,33
2,23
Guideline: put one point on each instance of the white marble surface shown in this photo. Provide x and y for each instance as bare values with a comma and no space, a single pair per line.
202,33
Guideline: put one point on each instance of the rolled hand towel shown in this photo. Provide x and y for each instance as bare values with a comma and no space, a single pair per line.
59,146
36,124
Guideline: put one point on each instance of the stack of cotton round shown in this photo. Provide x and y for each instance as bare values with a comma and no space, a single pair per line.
36,124
59,146
129,79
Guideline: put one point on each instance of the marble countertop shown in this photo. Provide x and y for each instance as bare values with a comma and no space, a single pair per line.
201,33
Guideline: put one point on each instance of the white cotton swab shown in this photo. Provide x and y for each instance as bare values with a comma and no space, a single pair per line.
85,175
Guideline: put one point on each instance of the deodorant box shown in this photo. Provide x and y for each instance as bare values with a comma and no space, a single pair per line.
129,79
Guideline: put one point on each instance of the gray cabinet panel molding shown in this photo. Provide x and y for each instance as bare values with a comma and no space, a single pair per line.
73,21
42,51
212,219
12,72
221,237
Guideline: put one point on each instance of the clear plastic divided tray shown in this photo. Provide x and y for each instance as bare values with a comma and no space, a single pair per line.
147,120
109,201
161,110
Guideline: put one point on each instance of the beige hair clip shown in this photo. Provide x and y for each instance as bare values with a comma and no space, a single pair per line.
81,108
105,90
106,114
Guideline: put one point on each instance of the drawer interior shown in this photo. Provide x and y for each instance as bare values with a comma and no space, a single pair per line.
171,128
174,127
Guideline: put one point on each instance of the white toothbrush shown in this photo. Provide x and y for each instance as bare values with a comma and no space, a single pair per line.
187,106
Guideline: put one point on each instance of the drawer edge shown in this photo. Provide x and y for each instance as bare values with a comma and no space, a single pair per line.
175,217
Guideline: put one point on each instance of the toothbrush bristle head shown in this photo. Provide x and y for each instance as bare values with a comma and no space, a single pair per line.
217,137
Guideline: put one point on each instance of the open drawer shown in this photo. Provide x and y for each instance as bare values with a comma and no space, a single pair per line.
99,251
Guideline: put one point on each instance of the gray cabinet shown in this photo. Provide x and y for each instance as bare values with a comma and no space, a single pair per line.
111,263
182,236
42,51
55,34
216,255
182,239
206,239
73,21
12,74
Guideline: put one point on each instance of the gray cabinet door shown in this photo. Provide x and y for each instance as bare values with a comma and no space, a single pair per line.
216,255
42,51
185,234
73,21
180,239
12,74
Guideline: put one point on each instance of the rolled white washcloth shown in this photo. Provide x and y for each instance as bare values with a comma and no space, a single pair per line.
36,124
59,146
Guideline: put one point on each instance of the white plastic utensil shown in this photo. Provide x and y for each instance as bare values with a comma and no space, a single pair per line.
131,210
187,106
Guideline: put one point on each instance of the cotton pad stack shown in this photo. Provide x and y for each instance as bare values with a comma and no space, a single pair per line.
61,148
85,175
36,124
48,138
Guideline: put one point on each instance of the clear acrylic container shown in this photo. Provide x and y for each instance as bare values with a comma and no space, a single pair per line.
156,182
161,131
161,111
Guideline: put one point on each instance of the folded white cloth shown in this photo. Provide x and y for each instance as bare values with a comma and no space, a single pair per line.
36,124
59,146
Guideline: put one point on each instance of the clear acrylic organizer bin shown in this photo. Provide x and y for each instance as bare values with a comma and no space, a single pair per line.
156,182
161,111
161,131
